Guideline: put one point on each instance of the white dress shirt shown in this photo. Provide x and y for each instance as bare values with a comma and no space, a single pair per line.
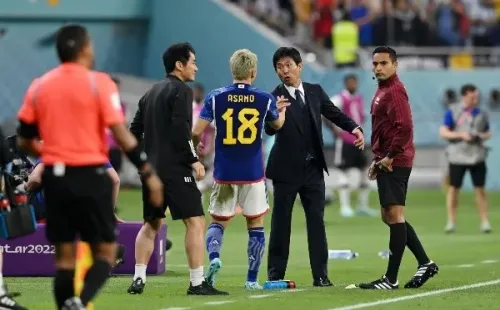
292,90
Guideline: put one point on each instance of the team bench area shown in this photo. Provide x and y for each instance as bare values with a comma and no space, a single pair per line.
32,255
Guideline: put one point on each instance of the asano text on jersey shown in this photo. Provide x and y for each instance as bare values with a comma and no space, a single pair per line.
239,112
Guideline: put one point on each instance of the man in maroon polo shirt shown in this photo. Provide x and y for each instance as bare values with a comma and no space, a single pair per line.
392,145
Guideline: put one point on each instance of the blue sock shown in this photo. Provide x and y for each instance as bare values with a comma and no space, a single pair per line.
256,246
215,233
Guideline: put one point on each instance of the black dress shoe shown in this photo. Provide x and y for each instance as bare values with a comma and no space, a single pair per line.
322,282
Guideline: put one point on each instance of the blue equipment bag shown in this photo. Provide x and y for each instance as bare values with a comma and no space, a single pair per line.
19,222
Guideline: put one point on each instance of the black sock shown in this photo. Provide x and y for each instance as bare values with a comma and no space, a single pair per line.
415,245
95,278
397,244
64,288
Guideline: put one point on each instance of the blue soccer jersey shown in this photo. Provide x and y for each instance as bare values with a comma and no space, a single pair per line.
239,112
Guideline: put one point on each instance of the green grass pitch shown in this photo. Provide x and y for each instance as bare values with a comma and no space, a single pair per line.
466,257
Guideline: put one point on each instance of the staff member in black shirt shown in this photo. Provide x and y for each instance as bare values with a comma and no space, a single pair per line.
6,301
163,122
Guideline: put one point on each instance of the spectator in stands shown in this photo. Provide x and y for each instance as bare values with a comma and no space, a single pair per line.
277,14
401,23
323,23
364,13
496,30
381,26
303,17
483,21
452,23
405,20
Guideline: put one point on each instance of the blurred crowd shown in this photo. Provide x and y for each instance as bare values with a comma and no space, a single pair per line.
383,22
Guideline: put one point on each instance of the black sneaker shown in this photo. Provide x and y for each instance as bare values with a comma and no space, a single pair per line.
120,258
380,284
137,287
204,289
423,274
168,245
7,302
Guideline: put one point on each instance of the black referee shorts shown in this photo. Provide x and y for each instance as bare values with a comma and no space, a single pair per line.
477,174
79,202
392,186
182,197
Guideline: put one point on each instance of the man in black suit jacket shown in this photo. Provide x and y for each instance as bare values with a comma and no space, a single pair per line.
296,165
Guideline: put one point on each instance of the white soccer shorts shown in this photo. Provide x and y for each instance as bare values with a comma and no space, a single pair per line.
252,198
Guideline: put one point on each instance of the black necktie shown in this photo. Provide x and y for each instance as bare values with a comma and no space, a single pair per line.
298,98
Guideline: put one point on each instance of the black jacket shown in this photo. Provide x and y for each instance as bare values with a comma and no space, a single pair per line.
288,152
162,124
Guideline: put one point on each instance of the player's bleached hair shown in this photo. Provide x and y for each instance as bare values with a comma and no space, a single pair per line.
242,62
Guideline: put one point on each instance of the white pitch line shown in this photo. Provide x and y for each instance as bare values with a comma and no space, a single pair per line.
260,296
489,261
466,266
293,290
427,294
217,303
187,266
176,308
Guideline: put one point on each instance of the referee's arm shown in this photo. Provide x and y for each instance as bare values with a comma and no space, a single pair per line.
137,125
182,138
28,123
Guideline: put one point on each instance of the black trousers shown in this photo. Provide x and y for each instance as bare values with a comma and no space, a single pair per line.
311,191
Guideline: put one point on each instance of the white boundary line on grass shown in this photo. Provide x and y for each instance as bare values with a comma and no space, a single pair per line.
422,295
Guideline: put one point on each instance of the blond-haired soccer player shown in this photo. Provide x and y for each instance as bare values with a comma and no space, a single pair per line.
239,112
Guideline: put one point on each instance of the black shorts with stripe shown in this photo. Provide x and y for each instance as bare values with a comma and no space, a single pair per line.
182,198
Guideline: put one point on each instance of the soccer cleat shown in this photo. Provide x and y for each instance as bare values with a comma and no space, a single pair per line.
204,289
73,303
423,274
120,258
213,269
346,212
380,284
120,255
137,286
7,302
450,228
168,245
252,286
322,282
486,227
367,211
